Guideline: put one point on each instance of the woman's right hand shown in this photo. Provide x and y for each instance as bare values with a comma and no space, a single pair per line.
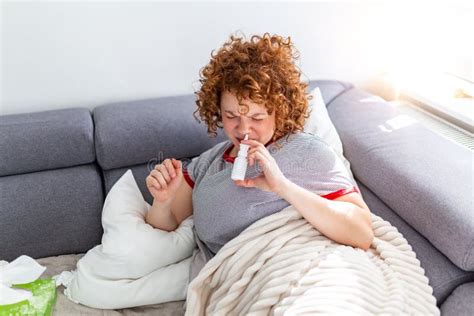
163,181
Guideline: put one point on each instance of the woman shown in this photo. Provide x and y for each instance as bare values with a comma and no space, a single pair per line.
253,87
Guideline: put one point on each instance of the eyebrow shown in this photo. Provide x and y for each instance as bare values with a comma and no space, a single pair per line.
256,114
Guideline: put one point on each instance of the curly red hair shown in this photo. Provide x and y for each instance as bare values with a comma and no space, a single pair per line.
262,70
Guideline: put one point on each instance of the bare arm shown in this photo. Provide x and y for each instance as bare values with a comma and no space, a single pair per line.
345,220
160,216
167,215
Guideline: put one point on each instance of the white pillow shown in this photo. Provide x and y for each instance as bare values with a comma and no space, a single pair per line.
319,123
136,264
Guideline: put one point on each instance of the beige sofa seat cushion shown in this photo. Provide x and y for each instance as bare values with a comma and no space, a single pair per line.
56,264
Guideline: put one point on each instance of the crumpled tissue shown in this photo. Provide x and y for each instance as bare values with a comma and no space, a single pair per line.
23,269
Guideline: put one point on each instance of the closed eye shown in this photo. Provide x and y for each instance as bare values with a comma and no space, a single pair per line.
233,117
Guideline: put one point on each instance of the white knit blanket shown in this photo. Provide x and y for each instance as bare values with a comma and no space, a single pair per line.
283,265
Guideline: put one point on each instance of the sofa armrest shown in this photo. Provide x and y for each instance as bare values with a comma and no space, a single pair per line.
424,177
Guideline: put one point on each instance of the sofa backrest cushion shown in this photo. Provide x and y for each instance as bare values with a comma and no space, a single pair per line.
45,140
137,132
424,177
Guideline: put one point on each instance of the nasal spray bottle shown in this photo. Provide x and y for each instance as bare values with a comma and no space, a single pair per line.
240,163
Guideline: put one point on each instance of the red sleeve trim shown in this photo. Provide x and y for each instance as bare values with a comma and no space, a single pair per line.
188,178
339,193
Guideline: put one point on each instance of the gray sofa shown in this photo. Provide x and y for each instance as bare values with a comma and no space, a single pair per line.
57,166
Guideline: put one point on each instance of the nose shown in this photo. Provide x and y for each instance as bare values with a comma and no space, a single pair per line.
243,127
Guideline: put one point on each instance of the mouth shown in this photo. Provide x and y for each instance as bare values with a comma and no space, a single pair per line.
241,139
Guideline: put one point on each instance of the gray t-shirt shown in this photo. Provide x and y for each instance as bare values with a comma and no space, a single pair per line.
222,210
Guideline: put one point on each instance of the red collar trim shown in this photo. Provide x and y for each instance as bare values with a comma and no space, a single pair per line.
226,155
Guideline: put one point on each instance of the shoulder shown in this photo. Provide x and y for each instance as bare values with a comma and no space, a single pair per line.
212,153
312,150
196,167
217,149
309,143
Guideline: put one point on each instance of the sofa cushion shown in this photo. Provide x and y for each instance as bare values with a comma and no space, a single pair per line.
330,89
443,275
50,212
137,132
45,140
460,302
424,177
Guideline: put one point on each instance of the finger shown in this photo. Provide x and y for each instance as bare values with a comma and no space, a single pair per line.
148,182
152,183
165,173
252,143
264,151
178,165
251,153
249,183
252,150
243,183
251,159
263,162
162,181
161,171
170,168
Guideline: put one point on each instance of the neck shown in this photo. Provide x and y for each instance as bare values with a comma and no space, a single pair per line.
234,151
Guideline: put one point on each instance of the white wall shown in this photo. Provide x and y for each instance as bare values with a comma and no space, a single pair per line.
83,54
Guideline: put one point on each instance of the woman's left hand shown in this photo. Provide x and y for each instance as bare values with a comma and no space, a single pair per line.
272,179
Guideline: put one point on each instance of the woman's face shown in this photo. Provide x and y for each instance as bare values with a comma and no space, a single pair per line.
256,122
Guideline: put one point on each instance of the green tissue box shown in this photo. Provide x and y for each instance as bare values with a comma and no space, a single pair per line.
42,302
